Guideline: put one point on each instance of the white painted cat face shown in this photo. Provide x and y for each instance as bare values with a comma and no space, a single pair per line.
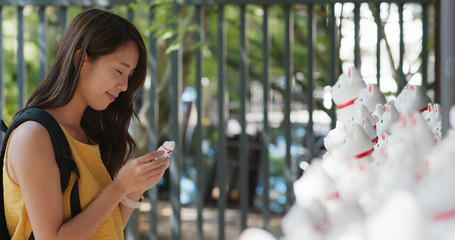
409,142
411,98
388,118
381,143
370,96
347,87
361,113
413,131
356,144
432,115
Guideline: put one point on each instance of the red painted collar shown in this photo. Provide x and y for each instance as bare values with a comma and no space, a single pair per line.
334,195
364,154
346,104
444,216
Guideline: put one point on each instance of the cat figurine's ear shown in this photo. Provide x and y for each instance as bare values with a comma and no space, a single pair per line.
436,108
354,74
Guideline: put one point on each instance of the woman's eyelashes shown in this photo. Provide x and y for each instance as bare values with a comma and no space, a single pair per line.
120,72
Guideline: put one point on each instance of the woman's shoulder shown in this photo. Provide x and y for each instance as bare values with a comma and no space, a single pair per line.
31,131
30,152
30,138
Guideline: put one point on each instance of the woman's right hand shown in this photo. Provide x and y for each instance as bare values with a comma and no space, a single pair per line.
141,173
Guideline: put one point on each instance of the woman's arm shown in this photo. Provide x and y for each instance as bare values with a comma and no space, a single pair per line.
31,164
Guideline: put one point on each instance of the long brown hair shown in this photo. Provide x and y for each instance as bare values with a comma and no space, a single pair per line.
96,33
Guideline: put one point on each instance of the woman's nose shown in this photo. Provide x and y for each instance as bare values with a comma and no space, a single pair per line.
123,83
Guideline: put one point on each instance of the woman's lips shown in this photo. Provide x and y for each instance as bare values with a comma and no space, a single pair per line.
110,96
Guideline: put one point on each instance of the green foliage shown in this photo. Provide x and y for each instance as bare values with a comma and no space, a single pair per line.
31,51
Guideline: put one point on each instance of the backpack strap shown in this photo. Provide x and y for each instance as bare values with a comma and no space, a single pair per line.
63,158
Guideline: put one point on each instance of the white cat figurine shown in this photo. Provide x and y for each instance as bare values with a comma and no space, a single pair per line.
411,98
356,151
399,218
388,118
378,111
253,233
361,113
370,130
310,222
335,136
357,144
435,193
345,92
314,184
370,96
432,115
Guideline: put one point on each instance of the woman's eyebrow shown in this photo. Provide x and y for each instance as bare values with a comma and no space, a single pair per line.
125,64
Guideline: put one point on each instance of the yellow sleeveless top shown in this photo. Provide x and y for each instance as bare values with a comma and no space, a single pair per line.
93,179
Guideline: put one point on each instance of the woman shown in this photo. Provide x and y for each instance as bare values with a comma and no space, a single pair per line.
99,69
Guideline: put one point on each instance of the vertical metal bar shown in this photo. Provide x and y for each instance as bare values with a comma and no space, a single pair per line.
377,18
265,129
132,223
425,46
131,226
243,184
130,17
288,68
333,59
221,171
198,131
153,145
447,68
42,29
2,64
311,36
130,14
401,80
63,17
438,60
20,57
357,35
175,168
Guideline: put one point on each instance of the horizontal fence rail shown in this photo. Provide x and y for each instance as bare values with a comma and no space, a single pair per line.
222,170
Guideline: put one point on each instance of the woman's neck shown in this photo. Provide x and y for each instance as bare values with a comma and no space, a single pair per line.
69,116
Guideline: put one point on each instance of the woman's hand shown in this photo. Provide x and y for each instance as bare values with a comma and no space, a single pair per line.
162,166
142,173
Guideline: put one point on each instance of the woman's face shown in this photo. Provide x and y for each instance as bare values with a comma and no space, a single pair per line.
101,81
